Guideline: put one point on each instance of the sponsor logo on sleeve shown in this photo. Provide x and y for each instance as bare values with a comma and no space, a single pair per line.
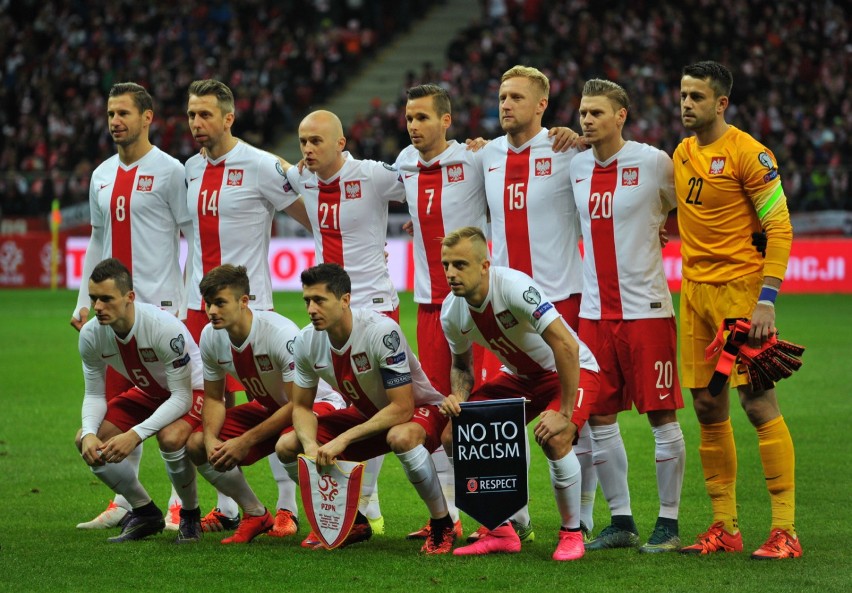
396,359
264,363
770,176
391,340
455,173
287,187
766,160
717,165
145,183
177,344
542,167
181,362
506,319
362,362
352,190
389,167
542,309
235,177
148,354
532,296
290,345
279,168
630,176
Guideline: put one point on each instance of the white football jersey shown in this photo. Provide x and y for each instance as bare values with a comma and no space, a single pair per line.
263,363
232,201
158,356
622,203
376,358
443,194
137,209
534,225
509,323
349,217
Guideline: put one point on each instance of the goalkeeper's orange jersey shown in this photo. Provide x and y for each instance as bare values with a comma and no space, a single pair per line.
726,191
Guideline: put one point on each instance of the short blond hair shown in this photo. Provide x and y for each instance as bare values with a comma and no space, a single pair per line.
471,233
534,75
598,87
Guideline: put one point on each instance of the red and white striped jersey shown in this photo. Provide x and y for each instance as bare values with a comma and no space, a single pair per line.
349,216
136,211
374,359
509,323
263,363
534,226
622,204
158,356
443,194
232,201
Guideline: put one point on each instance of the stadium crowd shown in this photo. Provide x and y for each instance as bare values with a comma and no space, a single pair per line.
59,57
790,60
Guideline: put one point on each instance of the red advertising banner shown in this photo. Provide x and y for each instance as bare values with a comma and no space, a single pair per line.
816,265
25,261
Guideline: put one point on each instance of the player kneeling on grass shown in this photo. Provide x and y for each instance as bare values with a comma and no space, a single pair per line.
505,311
254,347
153,350
364,356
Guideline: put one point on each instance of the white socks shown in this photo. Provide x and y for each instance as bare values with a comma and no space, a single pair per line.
122,478
447,477
611,467
566,481
286,487
368,501
583,449
670,453
232,483
421,473
181,472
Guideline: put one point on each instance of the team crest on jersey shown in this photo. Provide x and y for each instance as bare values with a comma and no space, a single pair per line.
506,319
352,189
362,362
148,354
391,340
630,176
177,344
455,173
532,296
717,165
235,177
264,363
145,183
542,167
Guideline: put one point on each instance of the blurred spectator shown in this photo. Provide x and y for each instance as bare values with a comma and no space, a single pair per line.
790,62
58,59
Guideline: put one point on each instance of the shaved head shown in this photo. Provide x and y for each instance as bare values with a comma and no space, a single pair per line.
322,142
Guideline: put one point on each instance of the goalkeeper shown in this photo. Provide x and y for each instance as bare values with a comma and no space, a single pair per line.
728,188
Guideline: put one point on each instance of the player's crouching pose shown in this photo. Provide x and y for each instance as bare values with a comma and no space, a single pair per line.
505,311
365,357
153,350
254,347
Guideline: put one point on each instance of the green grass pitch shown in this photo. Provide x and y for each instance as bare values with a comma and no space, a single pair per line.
45,489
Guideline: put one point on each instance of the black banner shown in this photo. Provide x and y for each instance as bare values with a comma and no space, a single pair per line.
490,459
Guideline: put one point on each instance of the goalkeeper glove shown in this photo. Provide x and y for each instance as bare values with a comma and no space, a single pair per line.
774,360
